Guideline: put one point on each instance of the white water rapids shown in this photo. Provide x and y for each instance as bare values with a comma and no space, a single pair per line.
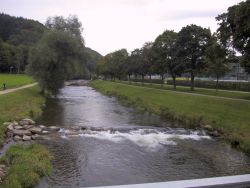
151,139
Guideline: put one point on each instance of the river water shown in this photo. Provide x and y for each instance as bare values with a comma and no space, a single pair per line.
103,143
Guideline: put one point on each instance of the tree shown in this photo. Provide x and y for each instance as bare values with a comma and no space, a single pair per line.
51,58
59,55
165,49
234,30
192,43
216,61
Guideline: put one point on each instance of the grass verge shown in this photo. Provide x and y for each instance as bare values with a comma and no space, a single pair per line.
14,80
16,105
203,91
229,117
27,164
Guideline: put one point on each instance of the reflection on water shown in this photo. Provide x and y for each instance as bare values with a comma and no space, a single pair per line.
103,143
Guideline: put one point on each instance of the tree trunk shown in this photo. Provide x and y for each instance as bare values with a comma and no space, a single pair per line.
192,81
217,83
162,80
129,79
174,82
142,79
150,79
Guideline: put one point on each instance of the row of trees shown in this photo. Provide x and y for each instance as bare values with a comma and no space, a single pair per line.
193,50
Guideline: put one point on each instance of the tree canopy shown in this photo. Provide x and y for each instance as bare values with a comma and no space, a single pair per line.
234,30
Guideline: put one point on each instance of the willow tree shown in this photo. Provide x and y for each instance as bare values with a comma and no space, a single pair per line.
56,56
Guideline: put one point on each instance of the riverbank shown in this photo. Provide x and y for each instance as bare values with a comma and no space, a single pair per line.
25,163
228,118
14,80
17,105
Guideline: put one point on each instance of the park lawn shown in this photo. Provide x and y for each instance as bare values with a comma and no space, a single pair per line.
14,80
203,91
20,104
230,117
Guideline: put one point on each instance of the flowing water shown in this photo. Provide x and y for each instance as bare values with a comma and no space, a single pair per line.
103,143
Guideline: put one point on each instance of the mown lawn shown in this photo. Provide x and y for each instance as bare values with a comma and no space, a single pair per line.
20,104
212,92
230,117
14,80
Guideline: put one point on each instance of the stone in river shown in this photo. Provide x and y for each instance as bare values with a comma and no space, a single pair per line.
17,138
36,130
10,127
37,137
54,128
26,122
28,126
22,132
26,138
18,127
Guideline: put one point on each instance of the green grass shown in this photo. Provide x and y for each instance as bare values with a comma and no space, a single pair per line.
211,92
230,117
19,104
14,80
27,163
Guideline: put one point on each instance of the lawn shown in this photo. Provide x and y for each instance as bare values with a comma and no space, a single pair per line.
14,80
212,92
230,117
19,104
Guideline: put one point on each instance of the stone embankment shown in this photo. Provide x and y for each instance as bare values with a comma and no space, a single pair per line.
27,130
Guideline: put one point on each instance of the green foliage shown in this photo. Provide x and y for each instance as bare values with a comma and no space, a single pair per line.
27,164
113,64
234,30
166,57
229,117
192,43
59,55
216,61
18,30
16,37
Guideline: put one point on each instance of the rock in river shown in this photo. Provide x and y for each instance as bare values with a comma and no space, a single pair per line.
36,130
26,138
17,138
26,122
22,132
53,128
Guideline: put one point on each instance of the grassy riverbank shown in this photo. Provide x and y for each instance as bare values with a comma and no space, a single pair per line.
14,80
229,117
19,104
203,91
27,164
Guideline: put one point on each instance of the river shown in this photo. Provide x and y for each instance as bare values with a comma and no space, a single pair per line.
104,143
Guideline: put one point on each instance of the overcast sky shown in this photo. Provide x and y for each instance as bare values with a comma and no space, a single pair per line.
114,24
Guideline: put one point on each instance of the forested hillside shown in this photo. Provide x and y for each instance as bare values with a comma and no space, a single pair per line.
17,37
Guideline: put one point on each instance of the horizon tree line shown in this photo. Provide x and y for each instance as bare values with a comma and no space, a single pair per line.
193,50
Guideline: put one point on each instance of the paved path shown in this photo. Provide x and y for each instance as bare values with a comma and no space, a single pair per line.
183,92
16,89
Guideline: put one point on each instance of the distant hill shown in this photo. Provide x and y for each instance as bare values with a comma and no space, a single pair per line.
92,57
18,35
18,30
